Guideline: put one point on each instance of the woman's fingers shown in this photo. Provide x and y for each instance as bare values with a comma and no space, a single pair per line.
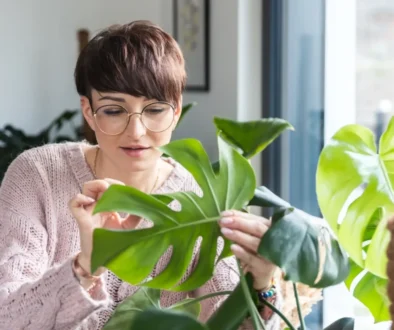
245,222
113,181
96,188
81,200
245,240
248,259
78,206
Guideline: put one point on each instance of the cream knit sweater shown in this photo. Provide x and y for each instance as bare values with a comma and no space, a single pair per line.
39,238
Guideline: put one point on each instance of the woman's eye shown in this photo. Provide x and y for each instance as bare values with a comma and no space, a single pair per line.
113,112
154,111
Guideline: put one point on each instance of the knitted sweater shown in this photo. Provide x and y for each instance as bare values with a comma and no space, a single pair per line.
39,237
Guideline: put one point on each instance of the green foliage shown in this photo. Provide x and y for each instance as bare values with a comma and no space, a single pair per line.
371,290
185,109
235,305
345,323
166,320
14,141
132,255
300,244
354,182
259,133
354,185
145,299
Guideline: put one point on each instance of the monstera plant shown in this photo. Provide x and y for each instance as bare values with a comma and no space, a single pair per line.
301,245
355,192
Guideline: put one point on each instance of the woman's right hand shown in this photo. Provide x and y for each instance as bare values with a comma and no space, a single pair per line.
82,206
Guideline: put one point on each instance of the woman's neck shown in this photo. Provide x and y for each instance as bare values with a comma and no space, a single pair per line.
145,180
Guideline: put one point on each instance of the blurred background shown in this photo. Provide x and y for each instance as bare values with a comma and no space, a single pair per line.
319,64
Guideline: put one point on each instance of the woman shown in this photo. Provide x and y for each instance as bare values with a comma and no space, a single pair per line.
130,80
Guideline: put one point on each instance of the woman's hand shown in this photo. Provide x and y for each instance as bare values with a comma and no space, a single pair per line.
82,206
246,231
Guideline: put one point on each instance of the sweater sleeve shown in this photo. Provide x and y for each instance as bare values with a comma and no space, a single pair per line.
34,295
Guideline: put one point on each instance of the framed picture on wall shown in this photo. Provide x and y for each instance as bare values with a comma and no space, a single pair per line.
191,30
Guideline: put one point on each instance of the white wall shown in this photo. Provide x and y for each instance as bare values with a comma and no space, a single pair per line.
39,51
235,91
222,98
39,48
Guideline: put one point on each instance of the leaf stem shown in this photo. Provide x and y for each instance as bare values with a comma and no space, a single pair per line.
302,323
135,309
257,322
280,314
198,299
148,297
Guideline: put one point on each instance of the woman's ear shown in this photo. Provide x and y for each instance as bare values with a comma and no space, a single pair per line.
178,111
87,112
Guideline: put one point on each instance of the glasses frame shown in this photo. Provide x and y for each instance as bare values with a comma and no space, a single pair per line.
130,114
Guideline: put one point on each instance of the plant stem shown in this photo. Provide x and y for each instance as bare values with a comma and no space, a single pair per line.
257,322
195,300
302,323
280,314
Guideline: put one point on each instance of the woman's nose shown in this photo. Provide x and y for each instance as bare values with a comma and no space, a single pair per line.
135,128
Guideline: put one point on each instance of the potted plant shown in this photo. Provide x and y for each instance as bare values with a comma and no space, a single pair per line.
301,245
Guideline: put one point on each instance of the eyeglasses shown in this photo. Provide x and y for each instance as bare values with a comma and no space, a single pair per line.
114,119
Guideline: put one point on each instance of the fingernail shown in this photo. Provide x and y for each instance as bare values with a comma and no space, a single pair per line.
226,231
226,220
227,213
91,200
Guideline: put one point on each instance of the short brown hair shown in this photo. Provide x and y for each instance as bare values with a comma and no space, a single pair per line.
138,58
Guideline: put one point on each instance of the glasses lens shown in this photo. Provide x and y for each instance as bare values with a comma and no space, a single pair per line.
158,116
112,119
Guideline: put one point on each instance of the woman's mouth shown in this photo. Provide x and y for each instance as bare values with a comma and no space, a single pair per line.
135,151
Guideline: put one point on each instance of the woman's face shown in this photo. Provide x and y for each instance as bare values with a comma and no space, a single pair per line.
130,147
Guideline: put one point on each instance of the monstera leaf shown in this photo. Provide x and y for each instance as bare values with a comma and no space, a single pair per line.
142,300
185,109
371,290
165,320
354,186
132,255
345,323
251,137
300,244
126,312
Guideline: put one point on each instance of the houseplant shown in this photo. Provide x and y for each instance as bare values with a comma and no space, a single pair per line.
355,192
13,141
318,262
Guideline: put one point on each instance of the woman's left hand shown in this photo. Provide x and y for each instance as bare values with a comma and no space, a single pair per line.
245,230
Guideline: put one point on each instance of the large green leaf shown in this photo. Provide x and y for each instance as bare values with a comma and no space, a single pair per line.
146,298
251,137
189,305
345,323
185,109
371,290
354,186
127,311
236,306
132,255
300,244
165,320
